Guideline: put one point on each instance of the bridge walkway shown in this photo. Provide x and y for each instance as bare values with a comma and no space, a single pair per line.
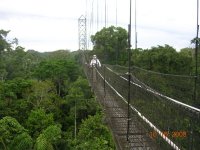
116,118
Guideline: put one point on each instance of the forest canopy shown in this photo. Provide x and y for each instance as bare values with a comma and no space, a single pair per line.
38,96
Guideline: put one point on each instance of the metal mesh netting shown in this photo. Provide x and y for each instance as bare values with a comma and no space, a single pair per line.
116,110
179,87
174,124
177,122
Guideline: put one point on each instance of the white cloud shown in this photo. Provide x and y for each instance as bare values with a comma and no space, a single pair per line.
47,25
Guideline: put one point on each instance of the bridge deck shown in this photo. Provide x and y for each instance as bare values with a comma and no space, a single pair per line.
116,117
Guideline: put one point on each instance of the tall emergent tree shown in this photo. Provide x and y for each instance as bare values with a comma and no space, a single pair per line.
3,42
111,43
6,49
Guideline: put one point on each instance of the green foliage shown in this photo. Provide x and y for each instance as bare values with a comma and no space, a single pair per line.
50,136
80,95
38,120
4,45
12,95
195,40
10,126
112,43
22,142
15,88
55,69
58,55
163,59
58,71
93,134
13,135
16,65
83,86
41,90
52,133
42,94
42,144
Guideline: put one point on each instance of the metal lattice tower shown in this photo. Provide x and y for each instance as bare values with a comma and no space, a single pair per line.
82,33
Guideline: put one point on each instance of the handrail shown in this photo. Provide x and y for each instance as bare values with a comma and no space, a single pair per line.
173,145
161,95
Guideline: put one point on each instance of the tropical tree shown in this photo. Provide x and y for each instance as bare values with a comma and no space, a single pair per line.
14,90
59,55
4,44
93,134
195,40
42,93
164,59
58,71
13,135
49,138
16,65
110,43
37,121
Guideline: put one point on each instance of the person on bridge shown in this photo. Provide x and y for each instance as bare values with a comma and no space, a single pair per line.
95,62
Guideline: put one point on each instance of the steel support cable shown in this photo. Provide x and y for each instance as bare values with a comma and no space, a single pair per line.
142,90
177,83
191,108
169,98
178,86
164,74
154,72
196,54
115,80
173,145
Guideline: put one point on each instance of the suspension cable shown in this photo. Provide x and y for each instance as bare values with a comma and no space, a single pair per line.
129,76
196,54
158,73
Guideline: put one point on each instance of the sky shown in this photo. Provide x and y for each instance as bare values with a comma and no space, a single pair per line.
49,25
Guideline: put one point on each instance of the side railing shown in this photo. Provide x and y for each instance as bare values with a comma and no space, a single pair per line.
168,122
174,120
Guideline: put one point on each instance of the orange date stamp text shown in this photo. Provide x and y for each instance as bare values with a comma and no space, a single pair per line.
172,134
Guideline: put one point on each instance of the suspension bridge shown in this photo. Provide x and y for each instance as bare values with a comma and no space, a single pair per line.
145,110
152,120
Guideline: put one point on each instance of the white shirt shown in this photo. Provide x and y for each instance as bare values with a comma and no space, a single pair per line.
95,62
